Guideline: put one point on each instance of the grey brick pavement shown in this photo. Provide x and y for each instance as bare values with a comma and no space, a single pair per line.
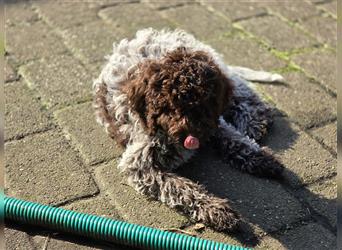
96,147
198,23
60,80
237,10
24,113
44,168
15,239
255,56
327,135
39,42
10,74
54,51
294,12
295,149
323,70
321,197
131,17
299,98
330,8
267,28
324,28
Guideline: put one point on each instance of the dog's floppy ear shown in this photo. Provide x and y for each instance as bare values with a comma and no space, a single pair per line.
226,94
136,93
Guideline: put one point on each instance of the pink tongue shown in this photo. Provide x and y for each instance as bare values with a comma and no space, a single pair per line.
191,142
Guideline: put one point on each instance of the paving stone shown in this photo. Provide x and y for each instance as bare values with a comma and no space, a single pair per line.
202,23
96,68
128,201
241,51
304,158
330,7
305,102
35,41
15,239
328,135
63,243
43,168
323,28
60,80
99,206
261,202
10,74
236,10
77,243
90,43
161,5
210,234
132,17
65,14
293,11
23,113
269,242
319,2
79,125
311,236
268,28
19,13
100,4
320,65
322,198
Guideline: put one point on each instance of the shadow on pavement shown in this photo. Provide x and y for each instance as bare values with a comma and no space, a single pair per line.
265,205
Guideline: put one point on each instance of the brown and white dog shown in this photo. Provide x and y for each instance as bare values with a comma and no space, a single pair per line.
164,94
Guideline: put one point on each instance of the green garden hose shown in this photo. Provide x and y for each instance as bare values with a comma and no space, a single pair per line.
103,228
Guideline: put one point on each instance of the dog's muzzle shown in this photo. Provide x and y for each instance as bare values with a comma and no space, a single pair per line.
191,142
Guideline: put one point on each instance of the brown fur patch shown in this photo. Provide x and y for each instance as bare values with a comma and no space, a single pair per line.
182,94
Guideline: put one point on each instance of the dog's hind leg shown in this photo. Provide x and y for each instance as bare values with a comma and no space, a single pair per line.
244,153
247,112
175,191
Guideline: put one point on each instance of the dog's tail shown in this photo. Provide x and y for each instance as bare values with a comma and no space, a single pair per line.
102,114
255,76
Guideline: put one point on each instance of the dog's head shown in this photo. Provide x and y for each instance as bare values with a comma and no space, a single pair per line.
182,95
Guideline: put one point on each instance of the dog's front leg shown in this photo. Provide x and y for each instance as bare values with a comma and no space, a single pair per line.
190,198
186,196
244,153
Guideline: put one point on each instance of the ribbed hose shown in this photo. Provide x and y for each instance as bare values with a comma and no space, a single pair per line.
105,229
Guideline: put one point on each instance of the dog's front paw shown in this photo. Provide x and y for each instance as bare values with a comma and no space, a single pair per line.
217,214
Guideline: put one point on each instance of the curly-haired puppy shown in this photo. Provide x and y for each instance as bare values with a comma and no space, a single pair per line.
162,95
